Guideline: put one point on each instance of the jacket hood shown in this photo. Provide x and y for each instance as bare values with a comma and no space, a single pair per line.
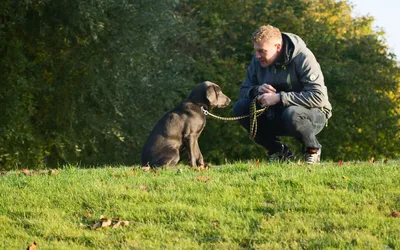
293,44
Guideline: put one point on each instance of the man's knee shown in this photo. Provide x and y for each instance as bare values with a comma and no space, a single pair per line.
241,107
294,117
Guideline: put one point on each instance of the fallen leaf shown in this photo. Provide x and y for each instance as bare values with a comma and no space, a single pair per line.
146,169
121,223
53,172
155,172
340,163
395,214
88,214
215,224
26,172
372,160
203,179
143,187
32,247
332,187
106,222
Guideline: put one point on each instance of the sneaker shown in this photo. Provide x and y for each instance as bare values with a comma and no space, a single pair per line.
284,155
312,156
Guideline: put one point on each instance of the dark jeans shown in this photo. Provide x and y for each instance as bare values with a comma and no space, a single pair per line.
295,121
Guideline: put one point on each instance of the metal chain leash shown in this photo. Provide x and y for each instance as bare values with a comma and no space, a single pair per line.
253,114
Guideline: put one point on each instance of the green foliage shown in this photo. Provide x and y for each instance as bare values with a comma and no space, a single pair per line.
86,81
83,81
359,71
234,207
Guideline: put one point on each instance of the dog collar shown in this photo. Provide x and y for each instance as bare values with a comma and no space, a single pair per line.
205,111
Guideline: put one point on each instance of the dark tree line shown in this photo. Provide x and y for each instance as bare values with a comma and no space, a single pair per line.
85,81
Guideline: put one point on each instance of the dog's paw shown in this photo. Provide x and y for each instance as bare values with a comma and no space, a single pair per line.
204,167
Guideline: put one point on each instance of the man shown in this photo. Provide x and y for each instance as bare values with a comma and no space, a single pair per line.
285,76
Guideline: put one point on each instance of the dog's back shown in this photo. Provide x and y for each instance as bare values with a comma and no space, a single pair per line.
165,140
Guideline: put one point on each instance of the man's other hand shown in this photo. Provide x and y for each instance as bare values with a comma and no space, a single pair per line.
268,99
266,88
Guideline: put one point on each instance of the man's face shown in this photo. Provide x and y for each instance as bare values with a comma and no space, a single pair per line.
267,53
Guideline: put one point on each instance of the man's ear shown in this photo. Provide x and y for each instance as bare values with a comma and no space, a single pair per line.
278,47
212,95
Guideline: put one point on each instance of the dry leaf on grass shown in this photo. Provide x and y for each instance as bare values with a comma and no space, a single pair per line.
155,172
88,214
203,179
144,188
395,214
340,163
121,223
32,247
104,222
53,172
28,172
215,224
146,169
372,160
332,187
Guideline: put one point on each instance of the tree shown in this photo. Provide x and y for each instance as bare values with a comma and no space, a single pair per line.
360,74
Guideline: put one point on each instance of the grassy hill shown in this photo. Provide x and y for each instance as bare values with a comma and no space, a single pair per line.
239,206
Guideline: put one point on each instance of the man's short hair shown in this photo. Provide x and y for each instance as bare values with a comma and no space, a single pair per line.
266,33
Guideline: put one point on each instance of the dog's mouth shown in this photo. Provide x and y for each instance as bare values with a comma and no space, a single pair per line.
225,104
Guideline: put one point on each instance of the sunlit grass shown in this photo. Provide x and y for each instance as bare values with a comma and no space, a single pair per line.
243,205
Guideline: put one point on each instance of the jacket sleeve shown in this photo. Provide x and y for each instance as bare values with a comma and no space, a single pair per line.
310,75
249,87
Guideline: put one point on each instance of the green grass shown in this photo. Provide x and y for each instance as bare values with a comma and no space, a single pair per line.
238,206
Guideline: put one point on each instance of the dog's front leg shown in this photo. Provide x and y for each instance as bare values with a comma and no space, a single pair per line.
195,156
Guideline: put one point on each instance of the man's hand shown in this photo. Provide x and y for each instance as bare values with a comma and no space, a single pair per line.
266,88
268,99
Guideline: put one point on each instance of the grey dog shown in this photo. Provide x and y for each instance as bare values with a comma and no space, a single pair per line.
180,128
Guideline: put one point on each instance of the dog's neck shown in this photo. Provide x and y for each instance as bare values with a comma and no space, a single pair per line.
205,106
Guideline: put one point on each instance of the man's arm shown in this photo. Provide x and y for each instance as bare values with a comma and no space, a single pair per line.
310,75
249,87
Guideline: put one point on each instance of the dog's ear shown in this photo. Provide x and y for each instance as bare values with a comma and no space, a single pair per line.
212,95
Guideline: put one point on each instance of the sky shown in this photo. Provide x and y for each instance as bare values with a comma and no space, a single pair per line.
386,14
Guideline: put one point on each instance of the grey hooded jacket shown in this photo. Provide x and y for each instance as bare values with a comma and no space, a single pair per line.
296,75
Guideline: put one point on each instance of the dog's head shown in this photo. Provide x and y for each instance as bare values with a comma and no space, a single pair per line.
210,95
